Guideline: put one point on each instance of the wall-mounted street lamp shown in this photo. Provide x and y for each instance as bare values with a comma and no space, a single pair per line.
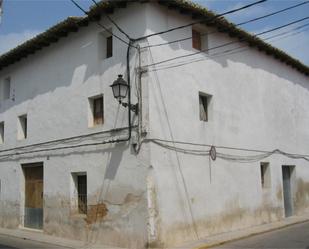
120,90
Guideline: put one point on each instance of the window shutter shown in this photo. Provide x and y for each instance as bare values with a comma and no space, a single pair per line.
196,40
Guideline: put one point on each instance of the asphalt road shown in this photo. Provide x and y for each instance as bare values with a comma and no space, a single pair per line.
8,242
296,237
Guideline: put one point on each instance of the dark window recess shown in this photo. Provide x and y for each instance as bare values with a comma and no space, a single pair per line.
196,40
265,175
98,112
109,47
24,126
82,193
203,108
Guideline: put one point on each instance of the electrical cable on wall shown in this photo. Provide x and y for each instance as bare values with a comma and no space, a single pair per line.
228,43
204,20
99,24
236,25
230,51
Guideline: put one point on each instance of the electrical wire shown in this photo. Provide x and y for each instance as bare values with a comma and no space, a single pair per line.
238,24
204,20
112,21
99,24
231,51
235,158
227,44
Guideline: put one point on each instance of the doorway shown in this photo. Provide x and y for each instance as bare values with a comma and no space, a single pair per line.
287,172
33,217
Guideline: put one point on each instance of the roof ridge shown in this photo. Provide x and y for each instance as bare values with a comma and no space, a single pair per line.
73,23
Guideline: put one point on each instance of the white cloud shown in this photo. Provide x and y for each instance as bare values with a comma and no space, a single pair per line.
11,40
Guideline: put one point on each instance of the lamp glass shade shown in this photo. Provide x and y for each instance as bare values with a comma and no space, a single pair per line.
120,88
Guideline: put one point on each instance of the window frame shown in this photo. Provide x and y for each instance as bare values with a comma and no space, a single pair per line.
94,119
204,105
265,175
22,129
78,208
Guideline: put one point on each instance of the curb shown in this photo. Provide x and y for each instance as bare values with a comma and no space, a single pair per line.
209,245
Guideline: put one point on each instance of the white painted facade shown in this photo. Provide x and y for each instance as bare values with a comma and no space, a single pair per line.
159,196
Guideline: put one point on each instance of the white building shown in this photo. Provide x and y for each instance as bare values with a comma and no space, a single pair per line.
63,171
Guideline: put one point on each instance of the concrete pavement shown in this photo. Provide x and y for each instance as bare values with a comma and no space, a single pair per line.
24,239
8,242
296,236
220,239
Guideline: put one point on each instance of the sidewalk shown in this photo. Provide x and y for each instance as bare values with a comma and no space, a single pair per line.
220,239
38,236
211,241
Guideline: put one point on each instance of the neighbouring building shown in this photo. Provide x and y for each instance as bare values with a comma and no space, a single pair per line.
220,140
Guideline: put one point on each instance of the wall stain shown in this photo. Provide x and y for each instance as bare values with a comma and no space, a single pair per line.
96,213
279,194
235,218
301,200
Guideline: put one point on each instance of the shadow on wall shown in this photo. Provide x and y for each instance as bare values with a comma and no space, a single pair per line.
114,162
57,66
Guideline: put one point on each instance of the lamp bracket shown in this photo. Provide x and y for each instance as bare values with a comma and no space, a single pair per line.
133,108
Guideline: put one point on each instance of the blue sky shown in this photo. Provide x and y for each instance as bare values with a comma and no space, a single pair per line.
22,19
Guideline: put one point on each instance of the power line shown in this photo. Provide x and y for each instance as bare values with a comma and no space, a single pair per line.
226,44
112,21
238,24
204,20
99,24
230,51
240,158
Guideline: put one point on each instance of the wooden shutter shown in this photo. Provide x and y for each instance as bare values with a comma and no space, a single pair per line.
98,111
196,40
109,47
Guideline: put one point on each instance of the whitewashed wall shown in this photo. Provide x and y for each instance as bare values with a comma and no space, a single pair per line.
258,103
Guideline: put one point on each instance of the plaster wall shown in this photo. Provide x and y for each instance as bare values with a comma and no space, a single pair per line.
257,103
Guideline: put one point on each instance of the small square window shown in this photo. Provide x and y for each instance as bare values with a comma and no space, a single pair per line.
204,101
22,128
1,132
200,39
265,175
97,110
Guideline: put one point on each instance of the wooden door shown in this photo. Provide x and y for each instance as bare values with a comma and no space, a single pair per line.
33,196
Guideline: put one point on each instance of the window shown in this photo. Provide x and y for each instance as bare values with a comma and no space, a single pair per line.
1,132
109,47
105,45
5,88
265,175
196,40
97,110
80,192
204,101
200,39
22,127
